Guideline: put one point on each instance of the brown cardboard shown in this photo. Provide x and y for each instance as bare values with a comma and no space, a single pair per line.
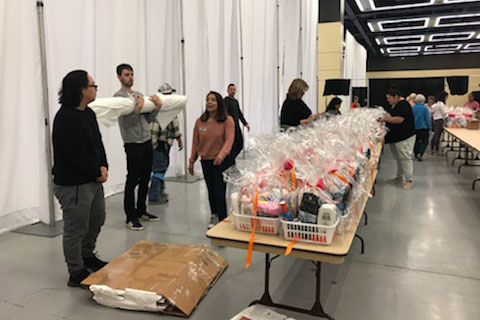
180,273
473,124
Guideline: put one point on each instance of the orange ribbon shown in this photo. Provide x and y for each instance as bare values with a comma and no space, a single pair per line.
294,178
339,177
254,227
290,248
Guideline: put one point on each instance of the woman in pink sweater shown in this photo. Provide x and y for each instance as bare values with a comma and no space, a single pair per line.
213,137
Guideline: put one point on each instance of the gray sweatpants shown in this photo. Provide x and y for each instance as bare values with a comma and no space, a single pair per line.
83,216
402,152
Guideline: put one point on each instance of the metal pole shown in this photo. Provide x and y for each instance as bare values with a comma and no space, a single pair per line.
277,11
242,90
184,91
300,42
46,109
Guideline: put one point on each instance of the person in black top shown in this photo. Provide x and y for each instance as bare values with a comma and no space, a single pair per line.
401,137
80,168
294,111
333,108
233,109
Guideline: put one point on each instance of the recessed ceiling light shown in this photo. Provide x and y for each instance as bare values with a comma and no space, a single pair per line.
404,54
475,45
370,26
443,47
382,50
473,21
415,23
435,37
438,52
377,40
458,1
404,39
404,49
369,5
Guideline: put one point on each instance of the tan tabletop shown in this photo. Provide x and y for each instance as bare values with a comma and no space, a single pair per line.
225,234
469,137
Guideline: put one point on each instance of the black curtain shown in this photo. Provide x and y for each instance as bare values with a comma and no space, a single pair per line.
458,85
425,86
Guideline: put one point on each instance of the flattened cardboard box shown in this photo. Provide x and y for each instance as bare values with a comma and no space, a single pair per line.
180,273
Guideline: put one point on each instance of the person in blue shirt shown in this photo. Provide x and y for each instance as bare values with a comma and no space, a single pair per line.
423,125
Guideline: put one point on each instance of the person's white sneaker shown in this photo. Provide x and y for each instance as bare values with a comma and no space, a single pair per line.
213,222
408,185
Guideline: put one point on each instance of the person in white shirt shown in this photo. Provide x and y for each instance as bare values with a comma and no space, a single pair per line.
438,113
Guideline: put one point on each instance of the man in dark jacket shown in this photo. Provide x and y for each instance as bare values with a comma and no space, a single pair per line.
80,168
233,109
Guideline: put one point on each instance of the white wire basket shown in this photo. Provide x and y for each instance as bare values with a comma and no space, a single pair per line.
308,232
264,225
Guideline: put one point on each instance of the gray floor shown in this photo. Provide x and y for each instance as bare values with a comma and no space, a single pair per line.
422,258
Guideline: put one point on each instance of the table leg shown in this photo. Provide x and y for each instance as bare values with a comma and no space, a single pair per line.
362,243
475,181
266,300
366,217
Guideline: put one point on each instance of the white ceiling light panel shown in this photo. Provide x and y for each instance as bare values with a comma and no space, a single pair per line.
410,49
458,20
437,37
403,24
404,39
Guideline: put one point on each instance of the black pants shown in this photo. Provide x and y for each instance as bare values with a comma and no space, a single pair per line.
437,132
139,166
216,186
421,142
237,144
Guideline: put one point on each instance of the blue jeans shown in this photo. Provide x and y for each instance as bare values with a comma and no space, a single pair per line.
161,160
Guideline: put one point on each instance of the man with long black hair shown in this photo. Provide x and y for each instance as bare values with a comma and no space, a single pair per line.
80,168
137,138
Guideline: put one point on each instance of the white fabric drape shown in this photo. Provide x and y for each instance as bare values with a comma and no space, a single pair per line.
354,67
97,35
23,191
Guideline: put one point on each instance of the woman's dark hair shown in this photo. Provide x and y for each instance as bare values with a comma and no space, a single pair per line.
441,96
394,91
432,98
221,115
71,91
335,101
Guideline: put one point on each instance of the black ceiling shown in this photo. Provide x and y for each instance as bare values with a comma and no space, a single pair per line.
404,28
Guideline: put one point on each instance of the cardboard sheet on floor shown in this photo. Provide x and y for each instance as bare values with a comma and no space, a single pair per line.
158,277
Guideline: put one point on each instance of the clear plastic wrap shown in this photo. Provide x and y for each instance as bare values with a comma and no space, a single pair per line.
326,162
458,117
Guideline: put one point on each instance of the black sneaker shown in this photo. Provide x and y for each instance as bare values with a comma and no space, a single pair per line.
149,217
76,279
93,263
135,225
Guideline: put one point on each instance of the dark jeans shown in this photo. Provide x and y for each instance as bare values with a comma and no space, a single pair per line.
237,144
161,160
437,132
421,142
139,166
216,186
83,209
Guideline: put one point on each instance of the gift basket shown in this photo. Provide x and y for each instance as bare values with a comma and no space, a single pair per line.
304,183
458,117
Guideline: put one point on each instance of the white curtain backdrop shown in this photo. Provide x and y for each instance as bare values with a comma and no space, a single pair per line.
23,169
354,67
98,35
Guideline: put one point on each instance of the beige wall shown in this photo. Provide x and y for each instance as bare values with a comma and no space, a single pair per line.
473,83
330,57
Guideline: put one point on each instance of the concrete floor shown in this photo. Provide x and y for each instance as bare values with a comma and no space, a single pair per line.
422,258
